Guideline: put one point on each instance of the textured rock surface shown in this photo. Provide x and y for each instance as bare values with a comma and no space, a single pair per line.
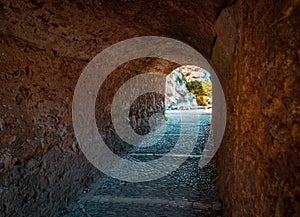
142,108
177,95
259,158
187,192
253,46
40,164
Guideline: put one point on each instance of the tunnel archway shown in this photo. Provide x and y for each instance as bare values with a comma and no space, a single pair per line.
46,45
140,67
94,75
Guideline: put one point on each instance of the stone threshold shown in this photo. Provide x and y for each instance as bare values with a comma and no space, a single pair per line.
166,155
156,202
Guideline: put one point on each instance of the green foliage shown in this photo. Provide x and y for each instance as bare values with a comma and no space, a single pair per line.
201,100
195,88
207,87
201,90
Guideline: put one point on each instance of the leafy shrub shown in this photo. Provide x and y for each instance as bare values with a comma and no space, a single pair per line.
201,100
195,87
201,90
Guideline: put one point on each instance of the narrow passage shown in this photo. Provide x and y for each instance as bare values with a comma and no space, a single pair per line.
188,191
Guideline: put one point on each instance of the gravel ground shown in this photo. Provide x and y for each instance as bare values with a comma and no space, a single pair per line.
187,191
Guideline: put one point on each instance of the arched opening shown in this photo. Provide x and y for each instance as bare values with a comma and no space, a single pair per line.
45,45
187,122
188,87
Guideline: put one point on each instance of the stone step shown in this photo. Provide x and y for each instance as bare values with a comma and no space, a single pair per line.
165,155
184,203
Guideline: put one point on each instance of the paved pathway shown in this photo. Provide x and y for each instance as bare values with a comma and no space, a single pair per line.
189,191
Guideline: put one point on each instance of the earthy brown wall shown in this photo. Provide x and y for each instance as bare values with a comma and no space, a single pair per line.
142,108
40,162
43,49
253,46
259,158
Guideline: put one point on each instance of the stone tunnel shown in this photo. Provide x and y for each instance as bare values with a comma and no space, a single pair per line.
253,46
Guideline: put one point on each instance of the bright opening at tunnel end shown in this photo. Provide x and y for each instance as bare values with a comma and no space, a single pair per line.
84,99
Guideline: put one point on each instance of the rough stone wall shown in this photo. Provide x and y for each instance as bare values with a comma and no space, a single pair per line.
142,108
44,48
224,60
259,158
254,47
41,167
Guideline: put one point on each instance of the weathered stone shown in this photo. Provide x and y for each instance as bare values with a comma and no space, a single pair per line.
6,159
32,164
216,206
8,139
261,96
252,45
201,206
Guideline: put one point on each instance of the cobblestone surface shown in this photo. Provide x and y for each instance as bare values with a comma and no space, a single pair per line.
187,191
